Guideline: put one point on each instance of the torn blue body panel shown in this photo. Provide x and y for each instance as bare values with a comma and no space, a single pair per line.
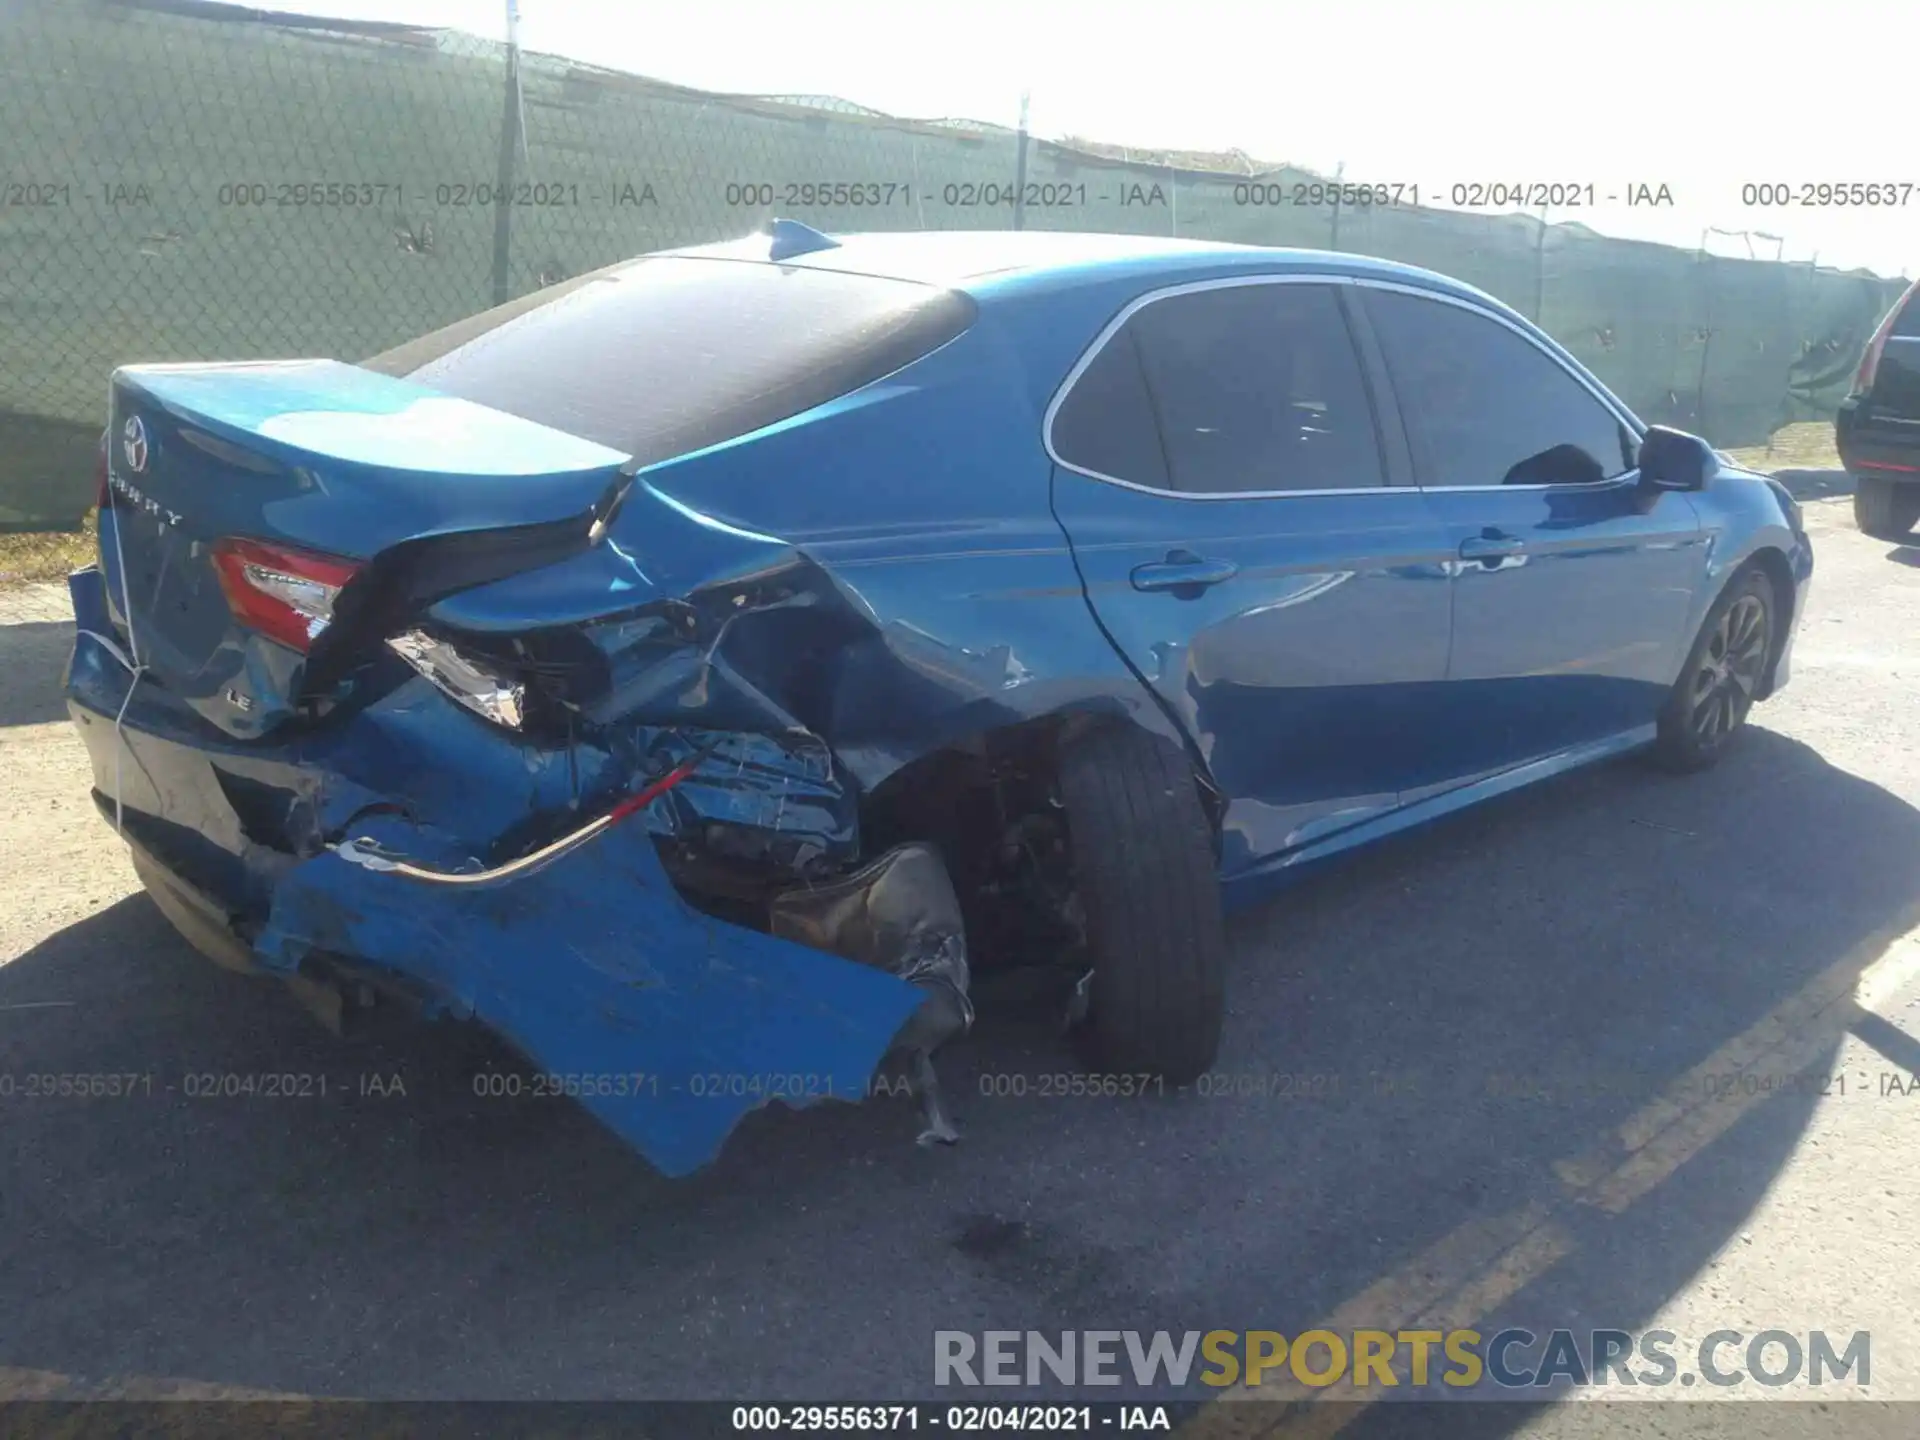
253,806
675,1024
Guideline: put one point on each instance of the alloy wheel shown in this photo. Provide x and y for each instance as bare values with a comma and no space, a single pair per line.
1729,673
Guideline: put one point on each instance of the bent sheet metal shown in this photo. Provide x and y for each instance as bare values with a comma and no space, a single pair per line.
595,967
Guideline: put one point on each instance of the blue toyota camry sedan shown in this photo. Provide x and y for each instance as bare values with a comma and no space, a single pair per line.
696,670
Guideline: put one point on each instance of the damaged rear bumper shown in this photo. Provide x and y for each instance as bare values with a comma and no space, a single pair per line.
594,965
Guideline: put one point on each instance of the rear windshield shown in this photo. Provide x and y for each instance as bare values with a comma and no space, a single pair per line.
665,355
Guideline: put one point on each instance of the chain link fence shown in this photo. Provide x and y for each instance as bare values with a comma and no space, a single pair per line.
184,180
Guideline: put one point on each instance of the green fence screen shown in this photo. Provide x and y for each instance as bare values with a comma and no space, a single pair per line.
185,180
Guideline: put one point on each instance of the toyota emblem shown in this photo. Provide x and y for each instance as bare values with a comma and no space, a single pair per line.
133,442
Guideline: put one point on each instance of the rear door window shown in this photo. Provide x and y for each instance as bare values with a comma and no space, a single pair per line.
1258,388
1237,389
1105,425
670,354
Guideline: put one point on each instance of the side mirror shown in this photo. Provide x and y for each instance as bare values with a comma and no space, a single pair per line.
1675,460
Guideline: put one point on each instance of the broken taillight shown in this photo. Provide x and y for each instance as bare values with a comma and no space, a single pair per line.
285,594
464,678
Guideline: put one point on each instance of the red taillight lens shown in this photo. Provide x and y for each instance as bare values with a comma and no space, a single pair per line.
285,594
102,491
1870,362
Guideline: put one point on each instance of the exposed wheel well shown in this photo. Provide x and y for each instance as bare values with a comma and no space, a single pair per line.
985,800
912,796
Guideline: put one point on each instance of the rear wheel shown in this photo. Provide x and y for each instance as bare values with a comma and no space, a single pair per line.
1717,685
1144,869
1884,510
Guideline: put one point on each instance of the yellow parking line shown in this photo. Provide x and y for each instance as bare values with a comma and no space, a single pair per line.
19,1384
1538,1252
31,1384
1477,1258
1465,1275
1476,1248
1703,1104
1326,1412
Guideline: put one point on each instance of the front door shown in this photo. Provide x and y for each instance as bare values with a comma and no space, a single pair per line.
1572,584
1220,477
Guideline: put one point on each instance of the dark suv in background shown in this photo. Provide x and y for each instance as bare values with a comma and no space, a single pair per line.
1878,428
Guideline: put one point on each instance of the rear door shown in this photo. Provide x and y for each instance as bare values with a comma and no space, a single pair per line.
1222,472
1572,585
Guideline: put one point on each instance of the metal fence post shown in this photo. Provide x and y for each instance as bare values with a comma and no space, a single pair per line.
1706,335
503,175
1339,175
1020,168
1540,268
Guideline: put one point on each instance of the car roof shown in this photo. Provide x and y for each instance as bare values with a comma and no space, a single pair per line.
983,261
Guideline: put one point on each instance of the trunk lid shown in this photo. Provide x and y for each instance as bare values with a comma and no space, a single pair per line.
400,493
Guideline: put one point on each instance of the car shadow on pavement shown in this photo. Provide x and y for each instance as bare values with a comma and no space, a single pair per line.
1414,1038
1785,877
33,657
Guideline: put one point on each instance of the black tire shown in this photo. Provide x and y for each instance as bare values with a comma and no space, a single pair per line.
1144,868
1728,660
1884,510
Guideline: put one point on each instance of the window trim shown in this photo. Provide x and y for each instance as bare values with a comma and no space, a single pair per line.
1140,302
